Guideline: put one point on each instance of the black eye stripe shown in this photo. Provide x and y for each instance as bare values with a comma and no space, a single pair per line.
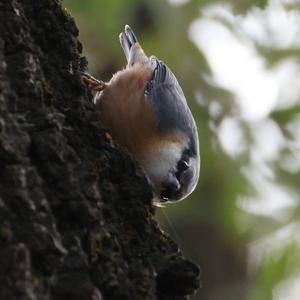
165,195
182,165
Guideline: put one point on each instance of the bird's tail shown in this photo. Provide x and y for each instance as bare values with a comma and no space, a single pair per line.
132,49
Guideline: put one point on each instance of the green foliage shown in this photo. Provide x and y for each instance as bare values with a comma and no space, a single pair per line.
274,270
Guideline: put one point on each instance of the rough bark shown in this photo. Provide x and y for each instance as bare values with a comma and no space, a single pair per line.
76,220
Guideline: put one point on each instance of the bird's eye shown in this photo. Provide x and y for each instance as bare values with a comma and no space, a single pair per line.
182,165
165,195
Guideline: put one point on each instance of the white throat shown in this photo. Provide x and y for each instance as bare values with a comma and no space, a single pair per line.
165,160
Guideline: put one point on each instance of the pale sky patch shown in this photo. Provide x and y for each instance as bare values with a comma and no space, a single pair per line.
237,67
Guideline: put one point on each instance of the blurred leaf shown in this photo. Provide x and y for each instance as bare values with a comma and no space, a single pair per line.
288,179
284,116
267,225
276,56
271,273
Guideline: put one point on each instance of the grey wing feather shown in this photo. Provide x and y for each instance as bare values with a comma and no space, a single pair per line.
169,102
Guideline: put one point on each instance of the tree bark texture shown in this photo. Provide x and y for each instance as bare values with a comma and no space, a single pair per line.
76,219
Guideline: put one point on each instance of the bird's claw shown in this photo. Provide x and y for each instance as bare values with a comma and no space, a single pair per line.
93,83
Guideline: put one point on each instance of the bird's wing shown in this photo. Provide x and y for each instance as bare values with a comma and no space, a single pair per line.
169,102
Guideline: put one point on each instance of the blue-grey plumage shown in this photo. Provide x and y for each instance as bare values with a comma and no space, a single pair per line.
170,104
174,114
146,111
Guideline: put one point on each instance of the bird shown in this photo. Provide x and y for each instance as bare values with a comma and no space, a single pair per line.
146,112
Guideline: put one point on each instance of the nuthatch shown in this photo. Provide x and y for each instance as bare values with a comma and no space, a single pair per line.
146,111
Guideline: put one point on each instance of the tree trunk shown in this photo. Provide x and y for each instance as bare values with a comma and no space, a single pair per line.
76,219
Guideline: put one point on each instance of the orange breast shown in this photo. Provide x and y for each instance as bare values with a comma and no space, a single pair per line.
130,116
126,111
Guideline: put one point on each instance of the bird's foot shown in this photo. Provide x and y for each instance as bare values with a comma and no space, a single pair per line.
93,83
